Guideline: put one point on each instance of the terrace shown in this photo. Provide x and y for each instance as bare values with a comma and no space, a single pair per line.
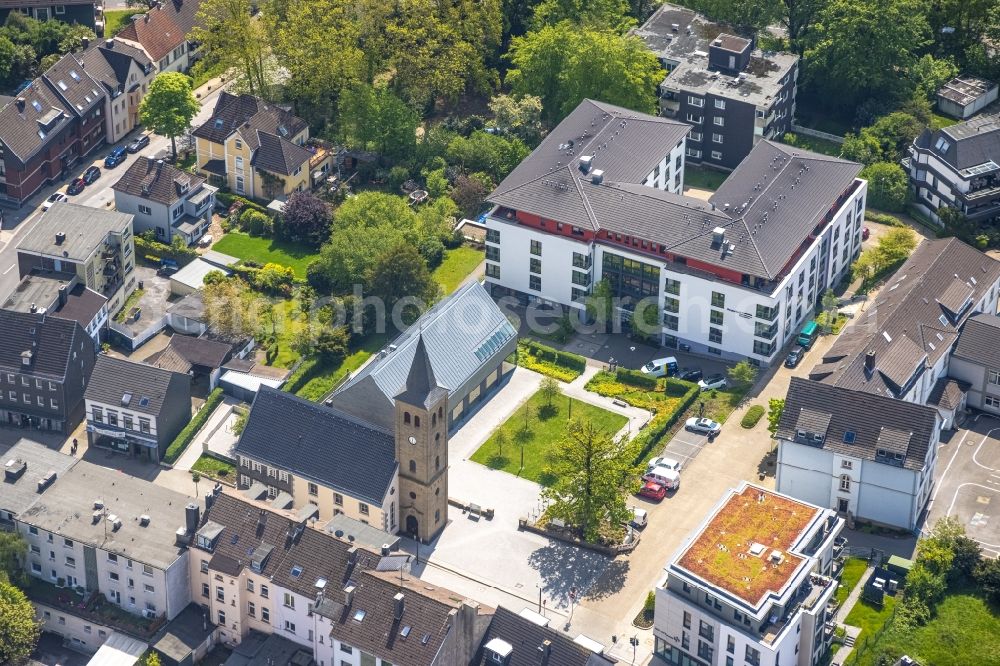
92,606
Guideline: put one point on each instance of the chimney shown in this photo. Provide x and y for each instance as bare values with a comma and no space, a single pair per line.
397,606
586,162
14,470
109,44
145,17
20,104
191,517
85,43
348,595
60,237
718,235
544,650
385,550
62,295
870,361
26,358
597,177
33,308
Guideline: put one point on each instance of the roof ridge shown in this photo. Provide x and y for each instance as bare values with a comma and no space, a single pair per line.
323,409
586,202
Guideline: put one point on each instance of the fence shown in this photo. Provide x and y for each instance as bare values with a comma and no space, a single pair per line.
808,131
868,641
135,340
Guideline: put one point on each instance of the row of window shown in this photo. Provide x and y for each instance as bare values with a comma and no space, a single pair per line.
26,399
26,381
128,422
696,154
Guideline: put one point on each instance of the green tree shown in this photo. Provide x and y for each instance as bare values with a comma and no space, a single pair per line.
601,305
930,73
374,118
331,345
598,13
402,273
987,576
520,116
73,37
13,556
896,245
775,407
864,49
886,140
956,224
275,279
488,153
565,63
152,658
594,475
798,17
743,374
232,309
753,15
19,630
168,106
469,192
549,388
237,40
306,219
888,186
500,438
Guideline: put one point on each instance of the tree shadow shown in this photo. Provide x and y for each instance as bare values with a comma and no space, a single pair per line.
564,567
497,461
546,412
524,435
611,581
768,463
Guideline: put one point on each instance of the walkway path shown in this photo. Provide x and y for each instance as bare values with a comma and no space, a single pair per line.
845,609
575,389
213,435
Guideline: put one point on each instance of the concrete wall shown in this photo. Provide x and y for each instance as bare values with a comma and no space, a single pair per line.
80,634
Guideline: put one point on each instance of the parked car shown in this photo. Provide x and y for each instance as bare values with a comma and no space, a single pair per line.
639,518
91,174
76,186
712,382
653,490
703,426
205,240
690,374
794,356
668,478
661,367
54,198
115,157
139,143
662,461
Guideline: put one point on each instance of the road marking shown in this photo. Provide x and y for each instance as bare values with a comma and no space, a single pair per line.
986,438
944,474
9,269
959,489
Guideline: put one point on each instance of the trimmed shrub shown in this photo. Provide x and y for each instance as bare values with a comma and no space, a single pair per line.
185,436
636,379
883,218
155,250
753,415
650,436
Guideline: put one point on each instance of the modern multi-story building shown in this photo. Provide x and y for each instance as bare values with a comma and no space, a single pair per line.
957,166
733,276
136,408
44,365
975,361
731,93
93,244
901,345
165,199
866,456
751,586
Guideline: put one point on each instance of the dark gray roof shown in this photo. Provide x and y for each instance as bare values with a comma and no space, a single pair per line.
234,113
184,634
947,393
421,389
461,334
110,66
17,494
51,340
906,326
876,421
86,229
968,144
315,442
189,307
72,83
157,181
200,351
979,341
137,386
525,639
82,305
259,649
277,155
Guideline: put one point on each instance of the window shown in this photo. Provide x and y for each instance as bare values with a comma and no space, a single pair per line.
536,248
71,562
263,591
493,271
147,570
148,588
492,253
720,104
265,614
694,118
706,630
671,305
695,136
493,236
289,600
847,464
346,649
696,101
671,322
716,138
239,162
716,155
143,425
205,590
752,656
112,418
68,543
715,317
313,489
845,483
220,593
338,499
705,651
251,609
535,283
991,401
363,508
535,265
767,313
113,576
239,184
687,620
249,585
145,210
730,645
672,287
289,627
715,335
222,618
762,348
719,121
994,377
239,145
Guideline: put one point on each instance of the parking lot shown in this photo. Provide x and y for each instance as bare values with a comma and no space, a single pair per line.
685,446
968,483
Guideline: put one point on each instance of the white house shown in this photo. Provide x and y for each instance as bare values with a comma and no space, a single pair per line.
125,71
751,585
870,457
733,276
975,361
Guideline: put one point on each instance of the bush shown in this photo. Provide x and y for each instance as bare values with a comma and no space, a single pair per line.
883,218
397,176
155,251
256,223
185,436
649,437
560,358
753,415
636,379
888,186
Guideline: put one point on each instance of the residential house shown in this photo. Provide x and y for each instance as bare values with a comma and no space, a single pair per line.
254,148
136,408
93,244
867,456
975,361
751,585
99,530
900,346
526,639
29,468
125,72
467,338
730,92
200,358
734,276
163,34
61,295
166,200
44,365
84,12
957,166
965,96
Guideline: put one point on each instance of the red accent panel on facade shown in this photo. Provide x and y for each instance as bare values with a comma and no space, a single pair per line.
552,227
724,273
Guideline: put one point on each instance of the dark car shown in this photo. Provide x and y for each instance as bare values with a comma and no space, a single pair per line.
140,142
794,356
690,374
76,186
91,174
115,157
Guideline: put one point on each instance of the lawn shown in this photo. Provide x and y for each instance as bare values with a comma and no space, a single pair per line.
854,568
267,250
964,630
817,145
546,426
718,404
326,379
703,179
214,468
116,19
868,617
456,266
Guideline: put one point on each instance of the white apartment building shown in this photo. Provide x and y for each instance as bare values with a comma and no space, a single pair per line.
865,456
751,585
734,276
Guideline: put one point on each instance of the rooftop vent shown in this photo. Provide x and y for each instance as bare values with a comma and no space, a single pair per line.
144,520
98,503
14,469
776,557
46,480
115,521
675,27
26,357
60,237
586,162
597,177
756,549
718,235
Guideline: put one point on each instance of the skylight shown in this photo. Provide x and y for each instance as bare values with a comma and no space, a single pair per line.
72,73
62,85
38,105
425,639
218,123
885,334
849,437
405,632
126,399
943,320
939,336
143,401
359,615
296,571
942,144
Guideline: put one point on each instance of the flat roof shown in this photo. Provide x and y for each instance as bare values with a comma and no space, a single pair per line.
19,492
38,288
67,508
745,547
85,230
964,90
118,650
193,275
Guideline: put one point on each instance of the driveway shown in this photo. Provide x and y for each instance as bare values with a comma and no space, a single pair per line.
967,477
154,301
685,446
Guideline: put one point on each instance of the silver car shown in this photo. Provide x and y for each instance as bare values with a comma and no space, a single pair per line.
703,426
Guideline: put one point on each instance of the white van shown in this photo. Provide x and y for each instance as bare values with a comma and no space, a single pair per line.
639,518
668,478
661,367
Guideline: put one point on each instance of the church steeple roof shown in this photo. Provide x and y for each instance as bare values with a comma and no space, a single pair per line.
421,389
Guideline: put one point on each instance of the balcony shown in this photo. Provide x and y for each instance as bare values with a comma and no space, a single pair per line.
92,606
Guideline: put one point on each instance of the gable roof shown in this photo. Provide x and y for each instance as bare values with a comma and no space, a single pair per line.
82,305
200,351
157,181
525,639
51,340
156,31
140,387
979,340
971,143
877,422
907,326
109,63
461,334
233,112
321,444
276,154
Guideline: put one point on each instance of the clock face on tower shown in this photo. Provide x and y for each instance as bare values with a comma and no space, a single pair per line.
413,440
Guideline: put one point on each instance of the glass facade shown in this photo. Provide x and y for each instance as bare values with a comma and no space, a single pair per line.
630,278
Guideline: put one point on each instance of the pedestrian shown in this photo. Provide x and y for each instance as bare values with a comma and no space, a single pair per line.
72,449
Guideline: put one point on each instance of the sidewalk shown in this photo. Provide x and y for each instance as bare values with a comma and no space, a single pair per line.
575,389
213,435
845,609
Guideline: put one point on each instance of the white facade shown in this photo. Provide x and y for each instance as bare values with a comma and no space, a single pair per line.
121,109
194,207
984,380
80,634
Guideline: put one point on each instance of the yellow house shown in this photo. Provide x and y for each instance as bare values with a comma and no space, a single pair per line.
254,148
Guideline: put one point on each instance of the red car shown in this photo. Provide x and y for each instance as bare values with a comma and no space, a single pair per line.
653,490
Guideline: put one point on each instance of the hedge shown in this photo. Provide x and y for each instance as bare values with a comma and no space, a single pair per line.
185,436
752,416
147,249
227,200
658,426
636,379
883,218
565,359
